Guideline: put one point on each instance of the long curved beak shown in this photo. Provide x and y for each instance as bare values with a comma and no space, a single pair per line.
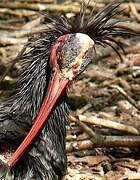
55,89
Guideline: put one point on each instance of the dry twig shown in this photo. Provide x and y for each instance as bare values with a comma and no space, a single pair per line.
101,140
132,101
108,123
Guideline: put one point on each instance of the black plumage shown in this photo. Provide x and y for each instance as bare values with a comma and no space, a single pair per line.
46,157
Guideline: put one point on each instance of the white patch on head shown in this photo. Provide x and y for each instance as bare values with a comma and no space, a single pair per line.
84,38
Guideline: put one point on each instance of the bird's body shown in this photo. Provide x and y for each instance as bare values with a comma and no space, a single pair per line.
45,156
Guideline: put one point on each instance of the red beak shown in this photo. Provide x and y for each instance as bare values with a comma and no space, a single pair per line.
55,89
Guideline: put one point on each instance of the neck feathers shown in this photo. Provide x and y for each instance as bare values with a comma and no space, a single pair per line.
32,84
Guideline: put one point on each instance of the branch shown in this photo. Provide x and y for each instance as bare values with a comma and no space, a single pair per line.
104,141
108,123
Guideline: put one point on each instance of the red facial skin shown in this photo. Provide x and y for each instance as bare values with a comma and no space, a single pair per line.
56,86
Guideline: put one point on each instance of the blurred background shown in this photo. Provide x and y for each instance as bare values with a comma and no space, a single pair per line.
108,90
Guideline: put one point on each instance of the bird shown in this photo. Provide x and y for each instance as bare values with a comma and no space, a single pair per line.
34,117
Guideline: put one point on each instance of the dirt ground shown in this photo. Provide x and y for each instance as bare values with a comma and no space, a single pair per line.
105,98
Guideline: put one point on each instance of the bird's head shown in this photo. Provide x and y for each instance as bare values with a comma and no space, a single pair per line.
71,54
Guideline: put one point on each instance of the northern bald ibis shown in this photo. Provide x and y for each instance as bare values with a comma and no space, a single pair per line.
33,119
